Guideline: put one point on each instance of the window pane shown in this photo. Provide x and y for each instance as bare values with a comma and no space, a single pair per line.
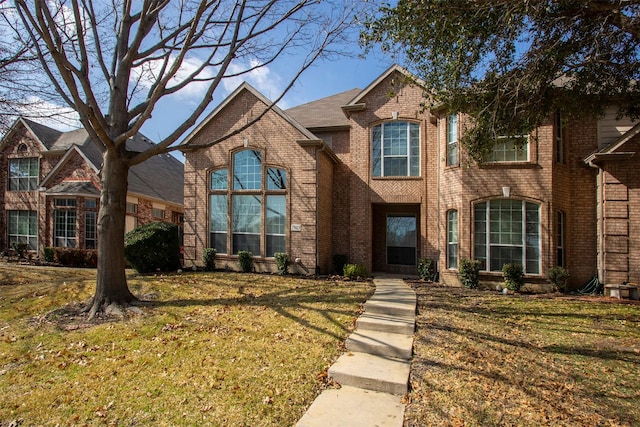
452,239
218,223
24,174
90,230
395,166
247,170
22,227
219,179
276,224
276,179
376,155
246,223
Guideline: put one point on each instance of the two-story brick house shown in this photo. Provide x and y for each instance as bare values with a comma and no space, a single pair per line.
50,187
372,175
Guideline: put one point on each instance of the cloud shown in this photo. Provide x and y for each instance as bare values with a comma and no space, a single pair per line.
50,114
262,78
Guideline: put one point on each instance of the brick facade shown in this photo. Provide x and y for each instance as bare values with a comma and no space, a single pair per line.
341,208
62,174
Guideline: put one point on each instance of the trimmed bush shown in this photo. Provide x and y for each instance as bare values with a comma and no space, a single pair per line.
20,249
209,258
339,261
355,271
48,254
469,273
426,268
153,247
282,262
558,276
72,257
513,276
245,259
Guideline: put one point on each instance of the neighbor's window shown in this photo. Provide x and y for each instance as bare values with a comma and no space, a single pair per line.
401,239
158,213
248,202
452,140
396,149
65,223
22,227
90,227
507,231
559,138
452,239
560,237
24,174
509,149
132,208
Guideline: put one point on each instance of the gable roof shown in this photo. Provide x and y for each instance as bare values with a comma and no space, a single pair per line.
160,177
324,113
613,151
246,87
357,104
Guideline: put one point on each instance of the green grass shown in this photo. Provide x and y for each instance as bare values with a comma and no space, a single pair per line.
484,359
211,348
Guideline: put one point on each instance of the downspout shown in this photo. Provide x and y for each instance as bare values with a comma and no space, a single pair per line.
322,149
438,222
600,202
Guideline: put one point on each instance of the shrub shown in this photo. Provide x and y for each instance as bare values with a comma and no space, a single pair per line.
282,262
469,272
426,268
73,257
153,246
558,277
245,259
48,254
209,259
354,271
339,260
513,276
20,248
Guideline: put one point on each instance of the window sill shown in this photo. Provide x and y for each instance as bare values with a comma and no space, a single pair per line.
396,178
509,165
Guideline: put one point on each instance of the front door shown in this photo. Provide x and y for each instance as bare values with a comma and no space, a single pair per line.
395,238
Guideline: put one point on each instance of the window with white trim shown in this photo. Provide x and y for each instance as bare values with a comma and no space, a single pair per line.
560,226
395,149
452,239
22,227
452,140
65,223
509,149
507,231
24,174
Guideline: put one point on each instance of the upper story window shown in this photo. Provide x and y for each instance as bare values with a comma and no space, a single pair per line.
132,208
509,149
158,213
452,140
559,146
24,174
396,149
247,170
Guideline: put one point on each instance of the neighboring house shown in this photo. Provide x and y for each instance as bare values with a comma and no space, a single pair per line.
372,175
50,187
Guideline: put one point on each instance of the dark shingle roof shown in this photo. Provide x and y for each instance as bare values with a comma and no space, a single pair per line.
74,187
160,177
325,112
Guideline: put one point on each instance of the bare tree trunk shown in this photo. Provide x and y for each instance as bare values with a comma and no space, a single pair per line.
111,283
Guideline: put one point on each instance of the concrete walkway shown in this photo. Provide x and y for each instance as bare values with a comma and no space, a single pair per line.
374,372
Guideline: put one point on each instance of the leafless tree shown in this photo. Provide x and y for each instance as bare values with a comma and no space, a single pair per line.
112,62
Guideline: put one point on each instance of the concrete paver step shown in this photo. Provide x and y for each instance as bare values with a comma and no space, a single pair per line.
354,407
390,307
386,323
371,372
381,343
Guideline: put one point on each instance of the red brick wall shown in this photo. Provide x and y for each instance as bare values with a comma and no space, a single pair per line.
278,142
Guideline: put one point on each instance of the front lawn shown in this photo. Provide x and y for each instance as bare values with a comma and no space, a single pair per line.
486,359
211,348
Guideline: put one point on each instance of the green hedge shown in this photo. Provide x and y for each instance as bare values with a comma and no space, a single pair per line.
153,247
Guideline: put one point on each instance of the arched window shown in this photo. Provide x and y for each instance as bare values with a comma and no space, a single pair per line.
452,239
507,231
253,208
395,149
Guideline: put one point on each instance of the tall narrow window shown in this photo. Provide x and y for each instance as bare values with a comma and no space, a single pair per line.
560,226
247,170
218,222
401,240
507,231
65,223
90,241
22,227
24,174
395,149
558,128
452,140
452,239
246,223
276,224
